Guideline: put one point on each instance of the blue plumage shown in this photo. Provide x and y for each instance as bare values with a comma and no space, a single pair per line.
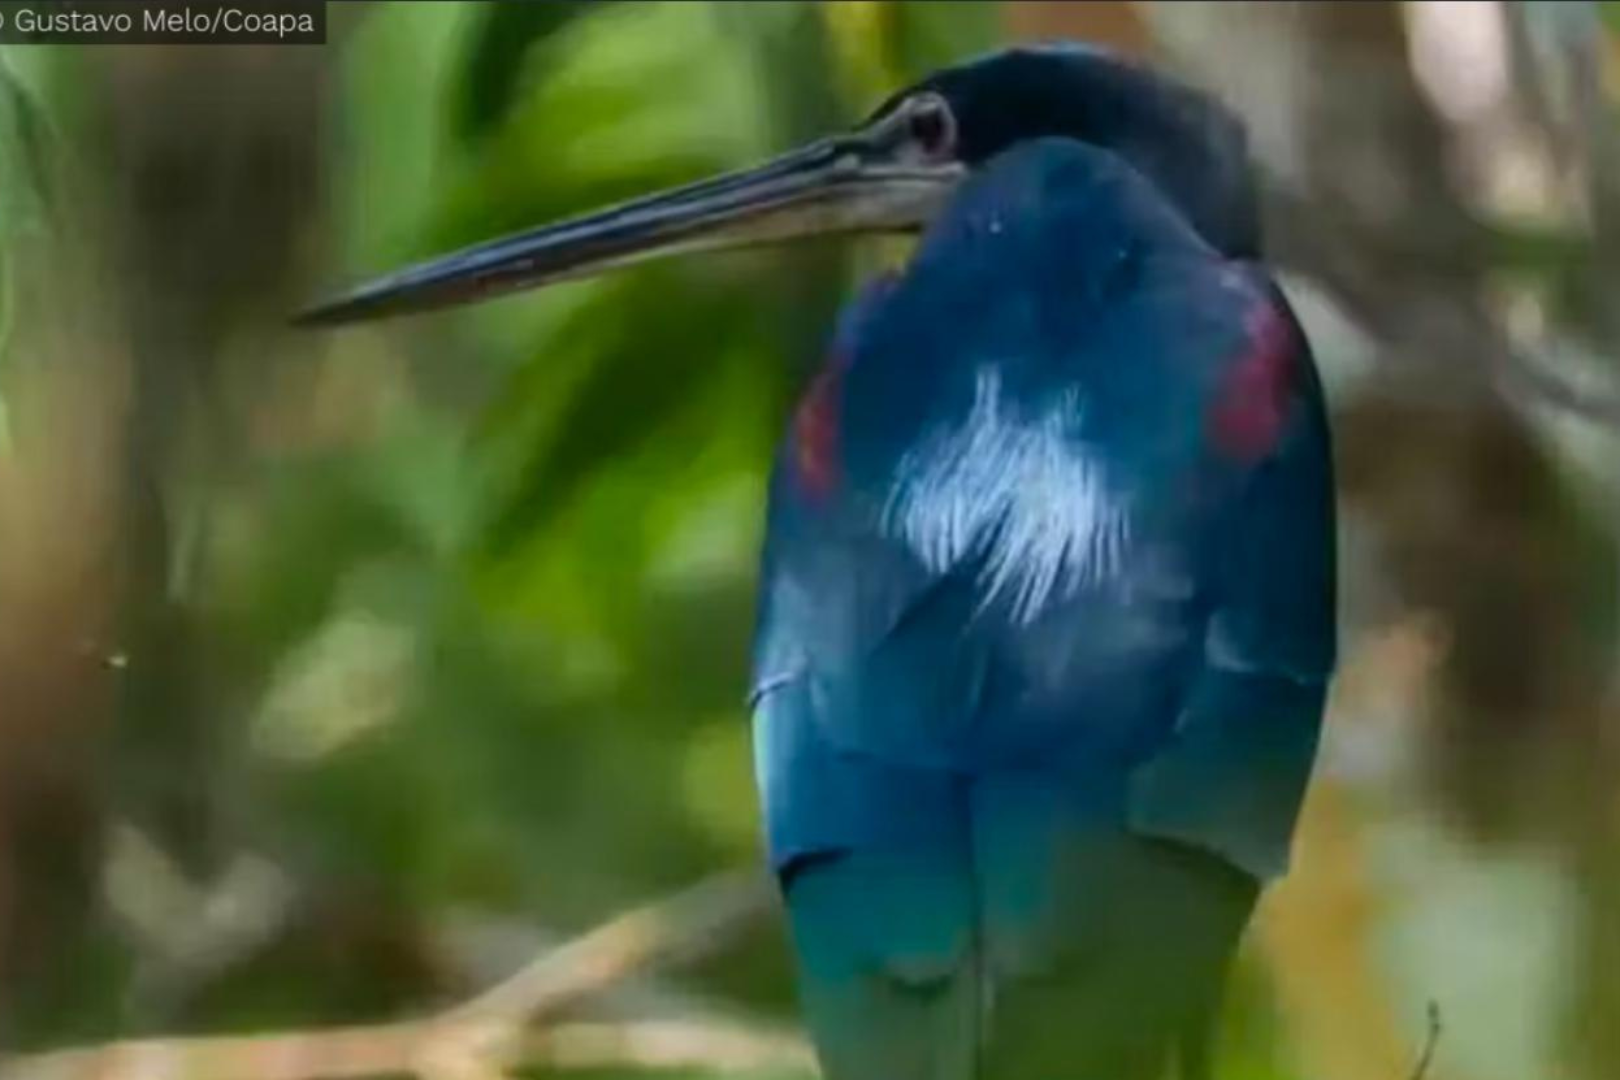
1046,625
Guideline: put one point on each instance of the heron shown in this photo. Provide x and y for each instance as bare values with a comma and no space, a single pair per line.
1047,608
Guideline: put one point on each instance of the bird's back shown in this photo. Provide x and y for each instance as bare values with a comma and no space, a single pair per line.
1047,615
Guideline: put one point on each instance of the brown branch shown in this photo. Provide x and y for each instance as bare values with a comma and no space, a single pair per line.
672,1044
480,1037
678,929
716,1046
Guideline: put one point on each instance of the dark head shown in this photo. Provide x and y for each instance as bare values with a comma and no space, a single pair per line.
1193,149
891,174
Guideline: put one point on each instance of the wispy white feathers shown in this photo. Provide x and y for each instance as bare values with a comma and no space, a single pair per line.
1018,494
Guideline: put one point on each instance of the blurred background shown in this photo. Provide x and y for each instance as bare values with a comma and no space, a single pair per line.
341,675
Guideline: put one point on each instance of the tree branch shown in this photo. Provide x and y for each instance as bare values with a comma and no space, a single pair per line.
483,1035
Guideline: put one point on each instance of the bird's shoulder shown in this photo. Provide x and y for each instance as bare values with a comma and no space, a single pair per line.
1050,412
1055,355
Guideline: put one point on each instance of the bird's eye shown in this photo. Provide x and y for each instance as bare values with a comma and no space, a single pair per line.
932,126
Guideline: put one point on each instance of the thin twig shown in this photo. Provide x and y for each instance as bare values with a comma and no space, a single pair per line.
482,1036
1431,1039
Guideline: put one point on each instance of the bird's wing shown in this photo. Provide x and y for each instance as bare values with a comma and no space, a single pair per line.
1232,773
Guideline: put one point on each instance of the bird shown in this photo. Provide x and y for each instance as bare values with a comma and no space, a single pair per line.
1047,610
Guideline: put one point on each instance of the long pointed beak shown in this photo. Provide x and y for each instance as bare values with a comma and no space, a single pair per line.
835,186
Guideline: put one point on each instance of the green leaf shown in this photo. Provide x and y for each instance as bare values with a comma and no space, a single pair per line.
497,62
28,160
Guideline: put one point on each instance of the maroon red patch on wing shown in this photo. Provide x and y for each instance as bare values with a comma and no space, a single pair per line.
1251,404
815,432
